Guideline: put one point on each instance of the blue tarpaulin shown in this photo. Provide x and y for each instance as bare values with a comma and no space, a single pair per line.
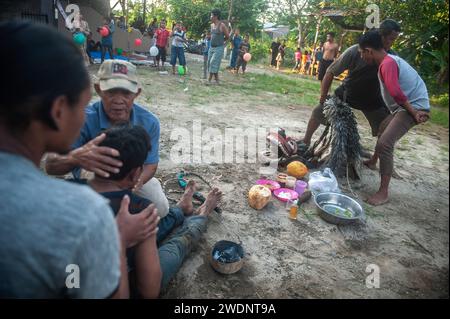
98,55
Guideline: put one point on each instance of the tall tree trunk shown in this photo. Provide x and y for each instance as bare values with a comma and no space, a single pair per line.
230,11
342,41
316,37
144,11
300,32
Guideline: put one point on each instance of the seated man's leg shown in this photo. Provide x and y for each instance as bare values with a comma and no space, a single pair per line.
173,252
153,191
166,225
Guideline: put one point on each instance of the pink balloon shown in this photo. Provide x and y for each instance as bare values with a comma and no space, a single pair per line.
104,32
138,42
247,57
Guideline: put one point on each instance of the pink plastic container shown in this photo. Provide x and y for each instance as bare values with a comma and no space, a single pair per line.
300,187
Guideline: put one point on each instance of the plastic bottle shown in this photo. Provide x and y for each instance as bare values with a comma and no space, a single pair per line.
293,210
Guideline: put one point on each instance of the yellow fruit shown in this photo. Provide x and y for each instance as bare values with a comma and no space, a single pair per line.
297,169
259,196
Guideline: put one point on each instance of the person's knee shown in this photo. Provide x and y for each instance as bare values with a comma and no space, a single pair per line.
153,191
384,147
162,204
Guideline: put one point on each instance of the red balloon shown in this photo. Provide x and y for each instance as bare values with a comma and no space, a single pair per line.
104,32
138,42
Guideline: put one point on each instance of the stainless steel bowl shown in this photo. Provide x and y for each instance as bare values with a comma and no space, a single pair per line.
337,208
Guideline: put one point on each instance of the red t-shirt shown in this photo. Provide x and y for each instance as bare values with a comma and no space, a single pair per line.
162,37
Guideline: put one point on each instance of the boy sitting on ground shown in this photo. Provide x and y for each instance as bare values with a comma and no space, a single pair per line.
133,144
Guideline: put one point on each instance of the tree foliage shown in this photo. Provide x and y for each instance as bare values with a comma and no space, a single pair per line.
423,42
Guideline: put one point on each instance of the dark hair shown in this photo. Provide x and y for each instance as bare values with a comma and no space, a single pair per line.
332,34
133,144
388,26
298,49
216,13
41,64
371,39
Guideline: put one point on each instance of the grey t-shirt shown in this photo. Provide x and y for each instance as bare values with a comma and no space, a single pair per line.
46,225
361,85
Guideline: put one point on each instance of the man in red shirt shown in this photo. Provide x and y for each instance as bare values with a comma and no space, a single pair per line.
162,42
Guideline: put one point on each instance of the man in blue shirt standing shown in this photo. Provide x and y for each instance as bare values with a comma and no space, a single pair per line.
235,43
107,41
118,87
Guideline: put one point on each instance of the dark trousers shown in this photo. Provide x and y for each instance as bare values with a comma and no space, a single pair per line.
241,62
273,62
110,51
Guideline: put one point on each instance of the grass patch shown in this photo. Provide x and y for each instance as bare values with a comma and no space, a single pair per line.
309,214
440,100
419,141
370,212
439,116
404,142
302,91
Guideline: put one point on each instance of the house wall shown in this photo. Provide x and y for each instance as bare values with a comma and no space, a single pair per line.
92,10
121,38
37,10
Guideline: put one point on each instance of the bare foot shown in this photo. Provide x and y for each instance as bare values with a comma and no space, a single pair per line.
370,164
378,199
185,202
211,202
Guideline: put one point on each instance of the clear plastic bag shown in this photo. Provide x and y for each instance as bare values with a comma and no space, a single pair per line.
323,181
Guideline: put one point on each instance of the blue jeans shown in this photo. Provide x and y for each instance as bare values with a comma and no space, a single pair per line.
177,52
234,56
166,225
174,250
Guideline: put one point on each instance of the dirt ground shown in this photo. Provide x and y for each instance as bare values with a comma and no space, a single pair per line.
408,238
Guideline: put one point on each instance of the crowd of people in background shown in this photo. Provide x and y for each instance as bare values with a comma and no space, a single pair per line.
307,61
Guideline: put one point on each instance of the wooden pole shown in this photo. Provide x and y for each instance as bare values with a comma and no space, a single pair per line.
342,40
144,11
316,37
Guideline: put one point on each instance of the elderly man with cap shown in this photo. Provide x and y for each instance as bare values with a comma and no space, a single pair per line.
118,87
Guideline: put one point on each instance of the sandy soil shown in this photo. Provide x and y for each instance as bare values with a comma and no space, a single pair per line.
408,238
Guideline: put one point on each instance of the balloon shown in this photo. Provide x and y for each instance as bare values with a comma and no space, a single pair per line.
119,51
104,31
138,42
79,38
181,70
247,57
154,51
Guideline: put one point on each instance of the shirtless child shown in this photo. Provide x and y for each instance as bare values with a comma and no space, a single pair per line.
330,50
